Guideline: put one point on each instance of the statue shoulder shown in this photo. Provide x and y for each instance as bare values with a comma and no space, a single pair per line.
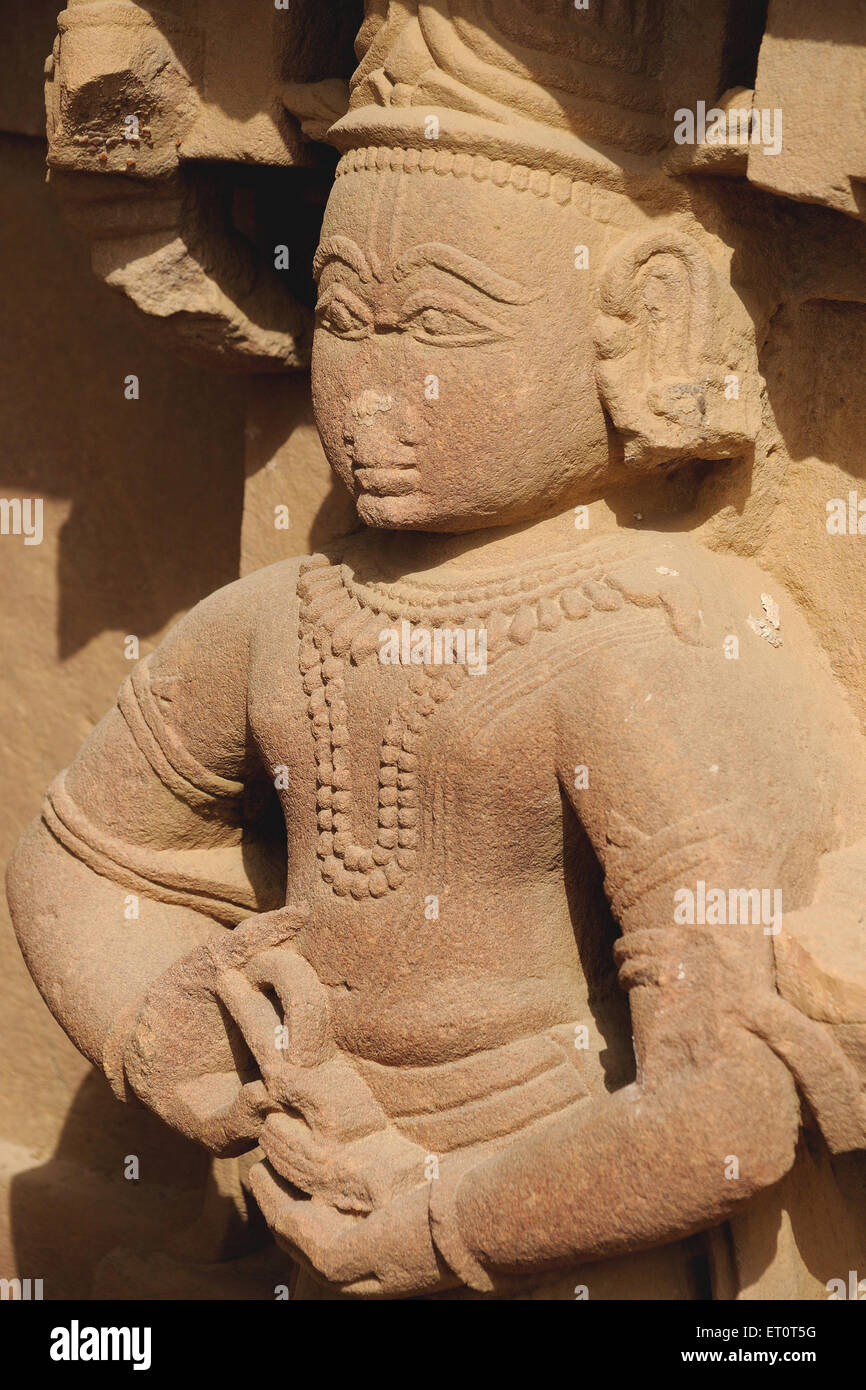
671,574
255,603
710,599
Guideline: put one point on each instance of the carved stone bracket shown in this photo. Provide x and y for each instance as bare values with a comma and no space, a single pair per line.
136,97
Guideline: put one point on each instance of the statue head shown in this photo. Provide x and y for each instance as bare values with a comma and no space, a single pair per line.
509,319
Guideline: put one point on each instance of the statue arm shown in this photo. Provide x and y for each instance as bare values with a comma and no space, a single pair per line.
154,840
636,1170
713,1116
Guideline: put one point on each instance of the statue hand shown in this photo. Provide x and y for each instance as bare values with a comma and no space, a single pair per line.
360,1174
188,1057
387,1254
325,1132
239,1030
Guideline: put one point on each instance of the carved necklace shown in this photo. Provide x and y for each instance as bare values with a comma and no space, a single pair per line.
341,620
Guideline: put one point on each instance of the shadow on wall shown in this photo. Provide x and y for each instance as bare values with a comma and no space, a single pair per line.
91,1225
151,494
155,484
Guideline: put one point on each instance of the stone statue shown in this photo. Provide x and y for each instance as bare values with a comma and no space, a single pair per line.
500,869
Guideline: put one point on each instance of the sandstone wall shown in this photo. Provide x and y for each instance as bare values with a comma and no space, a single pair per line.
142,516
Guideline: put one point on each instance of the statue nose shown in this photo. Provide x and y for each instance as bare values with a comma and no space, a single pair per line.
371,408
368,404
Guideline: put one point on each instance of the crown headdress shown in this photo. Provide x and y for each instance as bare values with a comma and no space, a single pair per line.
581,92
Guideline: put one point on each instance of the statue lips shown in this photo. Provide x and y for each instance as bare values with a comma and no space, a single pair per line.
386,481
388,472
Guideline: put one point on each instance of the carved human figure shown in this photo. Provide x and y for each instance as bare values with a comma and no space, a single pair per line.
415,927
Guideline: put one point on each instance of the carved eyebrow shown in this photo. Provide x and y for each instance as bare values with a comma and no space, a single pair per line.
342,248
464,267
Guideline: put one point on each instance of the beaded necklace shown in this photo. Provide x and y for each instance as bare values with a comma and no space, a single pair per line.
341,620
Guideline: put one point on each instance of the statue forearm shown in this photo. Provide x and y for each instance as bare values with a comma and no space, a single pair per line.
636,1170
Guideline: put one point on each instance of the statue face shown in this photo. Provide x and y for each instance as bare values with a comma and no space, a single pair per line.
453,360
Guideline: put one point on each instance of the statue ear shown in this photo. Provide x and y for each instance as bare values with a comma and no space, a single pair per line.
677,369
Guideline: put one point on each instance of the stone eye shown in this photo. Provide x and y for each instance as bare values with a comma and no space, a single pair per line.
448,323
435,321
343,314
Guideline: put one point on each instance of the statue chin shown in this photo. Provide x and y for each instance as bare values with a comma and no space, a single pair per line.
410,512
397,513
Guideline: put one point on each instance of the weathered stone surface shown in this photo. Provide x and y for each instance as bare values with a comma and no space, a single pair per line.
823,158
136,97
110,500
497,867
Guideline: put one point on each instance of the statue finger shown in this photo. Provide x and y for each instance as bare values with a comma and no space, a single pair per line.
257,1018
304,999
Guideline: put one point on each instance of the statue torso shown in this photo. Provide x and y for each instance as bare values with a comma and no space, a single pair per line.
455,902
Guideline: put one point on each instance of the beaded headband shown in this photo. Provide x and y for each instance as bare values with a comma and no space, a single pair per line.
619,204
